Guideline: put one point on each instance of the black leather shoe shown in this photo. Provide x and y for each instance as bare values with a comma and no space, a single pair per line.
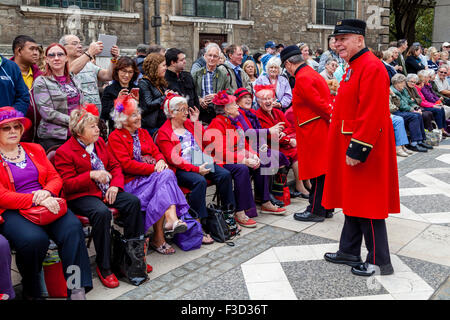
276,202
366,269
416,148
343,258
329,214
308,216
425,145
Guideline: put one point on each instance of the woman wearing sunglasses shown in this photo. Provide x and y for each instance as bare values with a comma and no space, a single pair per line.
56,94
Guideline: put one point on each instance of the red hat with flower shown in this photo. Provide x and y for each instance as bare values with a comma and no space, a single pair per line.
125,104
88,108
8,114
261,87
222,98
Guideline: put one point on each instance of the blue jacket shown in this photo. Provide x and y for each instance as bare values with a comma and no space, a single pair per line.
13,90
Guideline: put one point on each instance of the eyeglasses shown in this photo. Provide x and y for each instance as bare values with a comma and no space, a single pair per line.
443,72
16,127
53,55
212,56
127,72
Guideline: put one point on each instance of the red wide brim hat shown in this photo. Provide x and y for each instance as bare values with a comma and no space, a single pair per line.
222,98
9,114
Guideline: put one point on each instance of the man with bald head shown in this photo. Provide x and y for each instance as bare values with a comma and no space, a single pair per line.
362,174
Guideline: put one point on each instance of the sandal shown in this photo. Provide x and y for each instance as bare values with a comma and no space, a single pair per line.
207,239
165,248
178,227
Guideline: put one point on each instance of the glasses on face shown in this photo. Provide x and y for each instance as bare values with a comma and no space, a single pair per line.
127,71
54,55
16,127
212,56
443,72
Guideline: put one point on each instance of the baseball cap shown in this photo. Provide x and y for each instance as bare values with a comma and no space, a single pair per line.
446,44
270,44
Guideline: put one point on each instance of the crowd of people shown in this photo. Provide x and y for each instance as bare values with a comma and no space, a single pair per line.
144,132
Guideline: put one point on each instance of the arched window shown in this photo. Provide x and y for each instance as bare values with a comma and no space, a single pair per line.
111,5
226,9
328,12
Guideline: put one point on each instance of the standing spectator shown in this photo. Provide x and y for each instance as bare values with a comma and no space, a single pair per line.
92,181
283,92
279,47
387,60
247,57
6,288
26,55
238,77
209,80
304,48
362,175
330,53
251,70
257,58
434,59
86,72
141,53
413,62
200,62
56,93
153,89
13,90
271,50
318,54
156,48
402,46
178,80
124,75
328,74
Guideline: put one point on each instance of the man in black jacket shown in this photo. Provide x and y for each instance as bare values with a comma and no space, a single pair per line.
179,80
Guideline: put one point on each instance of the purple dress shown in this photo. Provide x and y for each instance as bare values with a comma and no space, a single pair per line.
5,269
157,191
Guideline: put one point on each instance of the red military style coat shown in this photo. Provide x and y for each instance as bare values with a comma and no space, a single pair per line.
361,128
311,105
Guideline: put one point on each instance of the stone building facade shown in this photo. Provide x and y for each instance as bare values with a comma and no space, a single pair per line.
186,23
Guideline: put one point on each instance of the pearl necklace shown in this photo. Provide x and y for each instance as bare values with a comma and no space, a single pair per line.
15,158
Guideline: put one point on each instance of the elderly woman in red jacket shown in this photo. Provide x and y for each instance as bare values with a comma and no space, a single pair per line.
92,181
270,116
27,179
180,141
227,143
146,174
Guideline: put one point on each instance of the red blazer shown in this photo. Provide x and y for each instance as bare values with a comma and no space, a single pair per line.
47,177
221,141
74,165
311,106
120,145
170,145
361,127
267,121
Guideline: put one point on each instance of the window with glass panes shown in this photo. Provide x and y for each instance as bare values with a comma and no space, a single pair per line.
111,5
328,12
227,9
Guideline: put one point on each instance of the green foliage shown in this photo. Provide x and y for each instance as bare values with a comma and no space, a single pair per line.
424,26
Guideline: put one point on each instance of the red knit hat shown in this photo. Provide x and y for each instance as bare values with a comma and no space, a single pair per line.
241,92
222,98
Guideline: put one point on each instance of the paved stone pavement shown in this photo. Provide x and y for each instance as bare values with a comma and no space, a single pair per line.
283,258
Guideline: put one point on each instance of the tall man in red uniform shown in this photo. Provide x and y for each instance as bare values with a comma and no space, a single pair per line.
362,167
311,105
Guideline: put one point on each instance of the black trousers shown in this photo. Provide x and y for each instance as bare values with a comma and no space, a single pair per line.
31,242
315,197
375,238
100,217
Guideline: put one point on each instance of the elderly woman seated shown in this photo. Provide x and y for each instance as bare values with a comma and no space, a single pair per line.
270,116
226,140
401,138
283,92
28,179
272,160
93,180
180,141
411,114
430,102
146,174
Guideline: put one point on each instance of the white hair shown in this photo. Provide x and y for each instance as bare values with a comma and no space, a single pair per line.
412,77
212,45
274,62
119,118
430,72
175,104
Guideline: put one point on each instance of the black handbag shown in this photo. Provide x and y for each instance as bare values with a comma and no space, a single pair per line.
228,211
128,258
216,225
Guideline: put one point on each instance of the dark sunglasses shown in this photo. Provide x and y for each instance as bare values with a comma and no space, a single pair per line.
16,127
53,55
